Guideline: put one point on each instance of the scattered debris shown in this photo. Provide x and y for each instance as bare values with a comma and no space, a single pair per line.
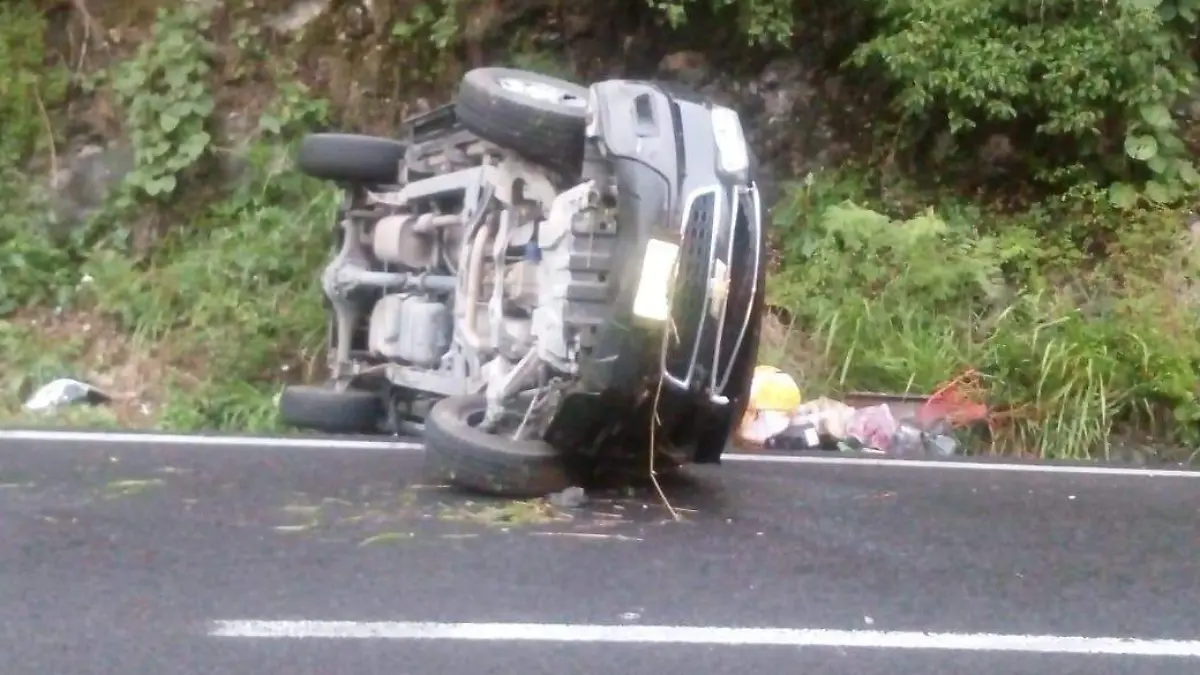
908,440
386,538
309,510
531,512
812,423
873,426
126,488
911,440
587,535
571,498
774,398
63,392
883,423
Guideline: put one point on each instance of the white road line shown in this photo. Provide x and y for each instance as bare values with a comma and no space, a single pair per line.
705,635
392,445
837,460
117,437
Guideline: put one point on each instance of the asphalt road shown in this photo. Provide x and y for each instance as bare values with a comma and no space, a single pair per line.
150,557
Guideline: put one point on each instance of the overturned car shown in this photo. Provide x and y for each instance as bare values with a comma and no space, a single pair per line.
542,277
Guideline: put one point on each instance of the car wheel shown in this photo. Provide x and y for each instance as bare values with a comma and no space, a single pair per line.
351,158
539,117
460,454
331,411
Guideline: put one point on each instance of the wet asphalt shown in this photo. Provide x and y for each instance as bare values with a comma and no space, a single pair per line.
118,557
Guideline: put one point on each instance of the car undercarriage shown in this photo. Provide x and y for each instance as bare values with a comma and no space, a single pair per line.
541,275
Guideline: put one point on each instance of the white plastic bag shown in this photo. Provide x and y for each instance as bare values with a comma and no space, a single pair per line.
61,392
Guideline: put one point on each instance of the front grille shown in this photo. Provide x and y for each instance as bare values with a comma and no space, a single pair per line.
742,275
688,308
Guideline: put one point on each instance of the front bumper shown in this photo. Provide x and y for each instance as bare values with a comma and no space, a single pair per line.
669,188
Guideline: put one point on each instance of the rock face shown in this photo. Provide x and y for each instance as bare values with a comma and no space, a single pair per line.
98,155
82,185
790,109
785,108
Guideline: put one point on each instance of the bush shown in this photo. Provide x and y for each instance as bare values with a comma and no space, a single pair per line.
166,96
890,304
1068,70
29,90
30,87
36,271
1087,90
226,305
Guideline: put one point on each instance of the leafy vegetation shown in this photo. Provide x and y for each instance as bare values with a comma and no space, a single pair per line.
1074,299
167,100
1068,287
27,92
1087,73
1073,354
221,311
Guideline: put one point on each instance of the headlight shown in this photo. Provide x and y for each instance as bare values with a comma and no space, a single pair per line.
654,283
731,142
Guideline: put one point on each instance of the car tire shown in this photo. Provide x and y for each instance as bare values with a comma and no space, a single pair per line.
331,411
503,106
459,454
351,158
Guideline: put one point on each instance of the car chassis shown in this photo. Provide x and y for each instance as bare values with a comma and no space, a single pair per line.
537,272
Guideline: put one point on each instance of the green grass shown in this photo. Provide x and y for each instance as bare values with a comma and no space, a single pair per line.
1081,321
206,331
1071,360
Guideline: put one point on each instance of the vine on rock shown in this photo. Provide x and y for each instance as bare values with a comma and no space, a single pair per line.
167,101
